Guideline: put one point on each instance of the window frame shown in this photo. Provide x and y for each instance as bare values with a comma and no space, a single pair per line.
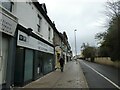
39,23
49,33
6,7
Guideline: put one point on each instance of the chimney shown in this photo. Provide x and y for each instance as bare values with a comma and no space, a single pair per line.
53,23
44,7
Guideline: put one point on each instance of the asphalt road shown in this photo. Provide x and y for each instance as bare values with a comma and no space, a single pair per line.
100,76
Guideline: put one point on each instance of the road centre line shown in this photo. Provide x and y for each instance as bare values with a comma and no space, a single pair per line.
103,76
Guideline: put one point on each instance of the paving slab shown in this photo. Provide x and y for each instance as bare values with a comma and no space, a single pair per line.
72,77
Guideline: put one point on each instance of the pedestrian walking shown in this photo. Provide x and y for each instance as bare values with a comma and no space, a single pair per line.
61,63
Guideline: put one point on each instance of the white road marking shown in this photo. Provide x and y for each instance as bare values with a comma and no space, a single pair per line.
104,77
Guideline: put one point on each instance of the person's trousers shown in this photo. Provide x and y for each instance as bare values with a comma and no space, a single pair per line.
62,69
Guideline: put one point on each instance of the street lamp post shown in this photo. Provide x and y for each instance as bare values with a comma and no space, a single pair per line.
75,42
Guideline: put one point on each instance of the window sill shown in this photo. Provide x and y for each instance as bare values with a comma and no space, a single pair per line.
39,34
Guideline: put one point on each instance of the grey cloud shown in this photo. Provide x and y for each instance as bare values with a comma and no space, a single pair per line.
83,15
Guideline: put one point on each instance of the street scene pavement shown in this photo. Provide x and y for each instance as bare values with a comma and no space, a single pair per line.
72,77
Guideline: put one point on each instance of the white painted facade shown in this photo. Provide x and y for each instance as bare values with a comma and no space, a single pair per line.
27,15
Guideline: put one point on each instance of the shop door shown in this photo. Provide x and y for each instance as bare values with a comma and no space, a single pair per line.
28,70
3,58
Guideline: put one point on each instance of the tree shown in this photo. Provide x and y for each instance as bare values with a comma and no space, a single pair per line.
88,51
110,39
103,51
113,9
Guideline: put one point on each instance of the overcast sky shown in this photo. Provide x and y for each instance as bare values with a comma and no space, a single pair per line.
86,16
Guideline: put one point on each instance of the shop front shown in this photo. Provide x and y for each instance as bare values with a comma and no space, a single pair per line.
23,66
34,57
58,55
4,43
43,64
65,57
8,24
68,57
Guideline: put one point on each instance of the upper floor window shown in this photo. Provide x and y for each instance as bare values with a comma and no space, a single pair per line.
49,33
39,23
7,4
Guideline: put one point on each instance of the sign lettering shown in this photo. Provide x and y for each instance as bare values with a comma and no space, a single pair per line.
7,25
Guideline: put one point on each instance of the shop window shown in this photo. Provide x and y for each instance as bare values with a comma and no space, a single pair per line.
28,71
38,64
7,4
19,64
48,63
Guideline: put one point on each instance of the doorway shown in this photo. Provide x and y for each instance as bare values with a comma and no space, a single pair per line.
3,58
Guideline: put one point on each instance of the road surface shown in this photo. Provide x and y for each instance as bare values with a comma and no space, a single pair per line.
100,76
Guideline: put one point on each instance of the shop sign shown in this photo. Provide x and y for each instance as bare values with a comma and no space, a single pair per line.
30,42
7,24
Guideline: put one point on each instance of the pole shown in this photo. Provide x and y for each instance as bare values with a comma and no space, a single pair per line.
75,42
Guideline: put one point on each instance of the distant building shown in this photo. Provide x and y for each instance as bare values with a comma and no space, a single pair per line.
57,40
62,47
65,46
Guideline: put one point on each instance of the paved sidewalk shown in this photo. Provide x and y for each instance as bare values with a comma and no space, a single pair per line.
72,77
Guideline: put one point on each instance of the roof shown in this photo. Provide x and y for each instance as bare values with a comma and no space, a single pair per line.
43,11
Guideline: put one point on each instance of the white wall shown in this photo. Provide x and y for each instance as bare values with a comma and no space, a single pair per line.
107,61
28,17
